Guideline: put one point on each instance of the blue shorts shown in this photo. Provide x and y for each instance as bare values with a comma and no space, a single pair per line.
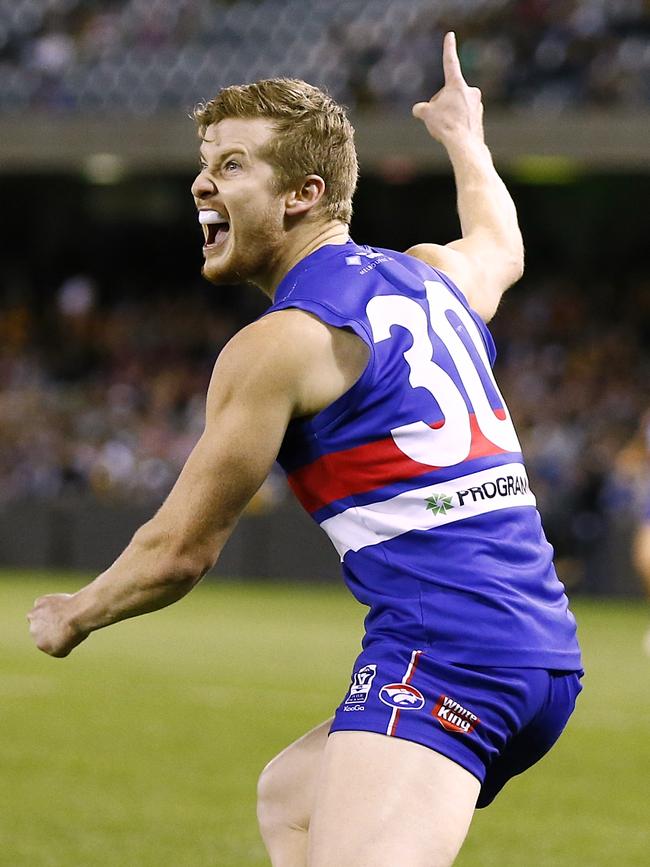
494,722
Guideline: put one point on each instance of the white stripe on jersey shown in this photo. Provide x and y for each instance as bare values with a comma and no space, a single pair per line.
425,508
392,723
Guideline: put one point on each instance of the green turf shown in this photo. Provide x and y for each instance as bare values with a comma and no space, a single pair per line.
143,747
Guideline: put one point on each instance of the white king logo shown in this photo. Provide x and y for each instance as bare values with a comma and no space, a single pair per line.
453,717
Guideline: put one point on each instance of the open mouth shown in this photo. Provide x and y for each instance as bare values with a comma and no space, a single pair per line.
215,228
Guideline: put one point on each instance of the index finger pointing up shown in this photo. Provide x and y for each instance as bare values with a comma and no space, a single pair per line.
450,61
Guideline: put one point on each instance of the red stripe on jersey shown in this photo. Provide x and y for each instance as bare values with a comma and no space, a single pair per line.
414,664
363,468
393,723
408,677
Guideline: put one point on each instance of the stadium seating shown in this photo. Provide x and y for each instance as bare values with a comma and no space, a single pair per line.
142,55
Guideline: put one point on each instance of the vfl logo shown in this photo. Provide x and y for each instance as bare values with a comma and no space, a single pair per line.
401,695
361,683
454,717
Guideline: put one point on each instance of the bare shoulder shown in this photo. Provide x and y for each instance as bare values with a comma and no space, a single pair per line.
451,262
287,340
471,268
294,356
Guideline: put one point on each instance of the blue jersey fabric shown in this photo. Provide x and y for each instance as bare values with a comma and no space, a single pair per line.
416,473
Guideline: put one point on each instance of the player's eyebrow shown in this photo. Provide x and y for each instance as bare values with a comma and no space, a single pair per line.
220,155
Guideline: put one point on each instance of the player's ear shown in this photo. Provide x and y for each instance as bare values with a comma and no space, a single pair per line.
302,199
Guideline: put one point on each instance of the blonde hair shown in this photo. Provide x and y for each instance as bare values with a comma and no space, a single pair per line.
313,135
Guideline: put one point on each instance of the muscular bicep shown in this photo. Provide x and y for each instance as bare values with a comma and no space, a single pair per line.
231,460
285,366
248,408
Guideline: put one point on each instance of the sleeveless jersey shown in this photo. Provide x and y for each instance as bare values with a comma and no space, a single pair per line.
416,473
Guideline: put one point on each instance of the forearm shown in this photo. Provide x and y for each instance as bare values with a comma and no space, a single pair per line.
252,395
484,204
491,247
150,574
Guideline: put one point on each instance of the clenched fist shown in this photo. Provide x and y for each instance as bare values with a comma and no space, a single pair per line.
52,626
455,113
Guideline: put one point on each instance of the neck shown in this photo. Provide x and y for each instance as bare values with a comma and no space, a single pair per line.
298,249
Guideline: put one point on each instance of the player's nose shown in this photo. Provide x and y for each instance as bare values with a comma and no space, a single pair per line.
203,186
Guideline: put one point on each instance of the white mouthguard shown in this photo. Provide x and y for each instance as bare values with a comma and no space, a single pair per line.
208,217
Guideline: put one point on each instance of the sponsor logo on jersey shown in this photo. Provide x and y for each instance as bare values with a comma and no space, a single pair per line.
439,504
401,695
430,506
453,717
361,683
502,486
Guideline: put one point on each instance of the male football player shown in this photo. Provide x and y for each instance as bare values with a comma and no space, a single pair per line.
369,379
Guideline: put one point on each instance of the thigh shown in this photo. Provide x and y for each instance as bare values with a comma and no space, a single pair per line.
288,783
383,801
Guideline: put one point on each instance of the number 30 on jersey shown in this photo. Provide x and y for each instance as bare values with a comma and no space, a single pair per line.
451,442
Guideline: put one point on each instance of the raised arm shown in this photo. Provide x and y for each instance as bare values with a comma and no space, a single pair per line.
287,364
490,255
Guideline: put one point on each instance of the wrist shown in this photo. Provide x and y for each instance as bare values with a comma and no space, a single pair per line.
83,616
463,149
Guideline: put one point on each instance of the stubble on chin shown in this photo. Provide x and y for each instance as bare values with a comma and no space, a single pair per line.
252,258
232,273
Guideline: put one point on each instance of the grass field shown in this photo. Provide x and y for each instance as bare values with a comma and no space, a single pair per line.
142,749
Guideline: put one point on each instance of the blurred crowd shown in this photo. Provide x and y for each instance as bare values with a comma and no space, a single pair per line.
108,397
575,367
140,56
